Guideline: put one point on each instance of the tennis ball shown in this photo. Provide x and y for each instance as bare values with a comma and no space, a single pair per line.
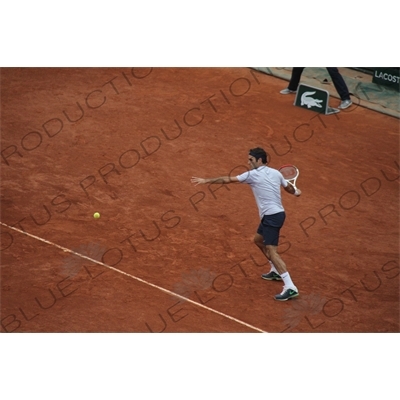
96,215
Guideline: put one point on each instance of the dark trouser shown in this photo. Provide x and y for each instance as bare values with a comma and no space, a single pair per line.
337,80
295,78
340,84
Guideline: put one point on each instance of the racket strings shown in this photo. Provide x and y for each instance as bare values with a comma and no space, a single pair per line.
289,172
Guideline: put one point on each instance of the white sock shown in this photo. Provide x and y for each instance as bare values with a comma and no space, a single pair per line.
287,280
273,267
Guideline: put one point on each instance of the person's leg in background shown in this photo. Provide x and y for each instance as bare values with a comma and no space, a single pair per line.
340,86
294,80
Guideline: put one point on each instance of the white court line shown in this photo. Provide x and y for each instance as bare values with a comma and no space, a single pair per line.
134,277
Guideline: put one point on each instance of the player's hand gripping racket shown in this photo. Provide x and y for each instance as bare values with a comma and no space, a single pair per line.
291,173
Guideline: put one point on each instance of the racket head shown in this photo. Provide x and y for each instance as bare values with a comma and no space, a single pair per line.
289,172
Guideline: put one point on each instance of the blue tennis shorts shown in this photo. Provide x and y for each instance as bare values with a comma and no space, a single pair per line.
270,226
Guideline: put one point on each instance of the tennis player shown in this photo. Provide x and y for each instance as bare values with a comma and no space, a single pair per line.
266,183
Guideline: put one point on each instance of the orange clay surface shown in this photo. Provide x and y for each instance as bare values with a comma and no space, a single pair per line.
125,142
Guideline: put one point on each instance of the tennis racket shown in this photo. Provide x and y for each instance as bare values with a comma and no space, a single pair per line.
290,173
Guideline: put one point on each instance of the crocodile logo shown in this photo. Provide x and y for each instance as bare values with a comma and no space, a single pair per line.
309,101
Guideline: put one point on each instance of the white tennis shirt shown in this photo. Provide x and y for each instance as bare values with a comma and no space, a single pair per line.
266,185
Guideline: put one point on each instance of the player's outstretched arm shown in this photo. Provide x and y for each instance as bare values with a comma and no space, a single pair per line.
221,179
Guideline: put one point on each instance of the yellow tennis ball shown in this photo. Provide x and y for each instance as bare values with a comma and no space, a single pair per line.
96,215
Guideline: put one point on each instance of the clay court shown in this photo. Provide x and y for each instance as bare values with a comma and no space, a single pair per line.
167,256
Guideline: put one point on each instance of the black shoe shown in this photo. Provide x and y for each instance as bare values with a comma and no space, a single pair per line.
286,295
271,276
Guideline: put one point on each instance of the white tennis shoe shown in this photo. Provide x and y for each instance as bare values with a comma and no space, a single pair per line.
287,91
